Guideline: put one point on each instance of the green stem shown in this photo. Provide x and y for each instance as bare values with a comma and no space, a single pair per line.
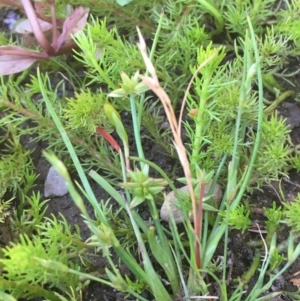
71,151
240,127
259,120
136,216
155,40
124,256
283,96
217,232
217,15
253,268
199,124
131,263
137,131
163,241
222,205
154,282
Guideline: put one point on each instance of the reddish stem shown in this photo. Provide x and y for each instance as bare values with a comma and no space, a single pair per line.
24,52
109,138
198,224
20,7
36,27
54,27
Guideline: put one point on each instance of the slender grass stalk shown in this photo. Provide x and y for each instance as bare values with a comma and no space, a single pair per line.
256,290
240,130
155,284
219,230
165,259
259,119
124,174
218,217
156,36
217,15
177,259
71,150
127,258
240,127
137,130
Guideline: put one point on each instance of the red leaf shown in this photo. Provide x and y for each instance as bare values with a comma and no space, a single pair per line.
73,23
10,64
14,59
109,138
19,51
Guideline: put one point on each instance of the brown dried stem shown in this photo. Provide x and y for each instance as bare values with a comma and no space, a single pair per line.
153,83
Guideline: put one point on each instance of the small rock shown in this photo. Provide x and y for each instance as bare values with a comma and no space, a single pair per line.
55,184
169,207
291,112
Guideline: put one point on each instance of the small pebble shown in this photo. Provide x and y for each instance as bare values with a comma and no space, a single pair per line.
168,206
55,185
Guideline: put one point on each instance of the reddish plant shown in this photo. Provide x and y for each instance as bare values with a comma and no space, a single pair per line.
109,138
14,59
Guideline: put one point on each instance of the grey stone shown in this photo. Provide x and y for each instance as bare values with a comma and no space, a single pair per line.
168,206
55,185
